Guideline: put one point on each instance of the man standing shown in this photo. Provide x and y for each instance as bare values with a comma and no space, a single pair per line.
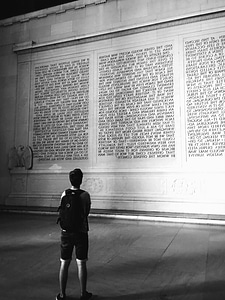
73,216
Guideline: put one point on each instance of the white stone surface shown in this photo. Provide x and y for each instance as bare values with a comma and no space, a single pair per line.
180,184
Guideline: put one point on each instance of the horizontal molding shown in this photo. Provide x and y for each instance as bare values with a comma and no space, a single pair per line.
131,172
32,46
201,219
42,13
166,219
118,198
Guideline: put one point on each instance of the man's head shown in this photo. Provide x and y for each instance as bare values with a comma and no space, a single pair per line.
76,177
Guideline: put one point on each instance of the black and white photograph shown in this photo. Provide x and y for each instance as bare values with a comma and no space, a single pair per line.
112,157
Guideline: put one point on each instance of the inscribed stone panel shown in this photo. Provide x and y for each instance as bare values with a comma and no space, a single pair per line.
205,90
61,100
136,103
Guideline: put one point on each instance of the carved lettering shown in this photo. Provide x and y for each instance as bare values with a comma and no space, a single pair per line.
205,89
61,97
136,103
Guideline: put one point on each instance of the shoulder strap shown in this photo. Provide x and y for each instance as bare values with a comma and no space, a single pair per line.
71,191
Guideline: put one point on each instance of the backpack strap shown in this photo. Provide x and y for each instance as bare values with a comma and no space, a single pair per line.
66,193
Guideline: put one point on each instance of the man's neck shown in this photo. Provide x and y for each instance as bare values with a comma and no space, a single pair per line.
75,188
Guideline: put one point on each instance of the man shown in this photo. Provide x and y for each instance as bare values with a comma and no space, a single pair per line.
76,237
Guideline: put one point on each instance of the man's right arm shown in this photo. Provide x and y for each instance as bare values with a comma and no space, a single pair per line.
63,194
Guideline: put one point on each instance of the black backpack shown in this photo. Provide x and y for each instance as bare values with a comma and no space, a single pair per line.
70,211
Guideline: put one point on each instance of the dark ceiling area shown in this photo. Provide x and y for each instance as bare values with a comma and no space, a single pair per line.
13,8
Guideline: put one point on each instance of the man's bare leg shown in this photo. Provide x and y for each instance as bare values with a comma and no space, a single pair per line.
82,275
63,276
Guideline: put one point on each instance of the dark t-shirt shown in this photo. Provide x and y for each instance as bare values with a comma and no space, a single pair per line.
85,208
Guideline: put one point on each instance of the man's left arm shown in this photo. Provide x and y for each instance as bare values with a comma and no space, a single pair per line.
89,205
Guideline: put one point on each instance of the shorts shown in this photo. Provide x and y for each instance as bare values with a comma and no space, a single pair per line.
79,240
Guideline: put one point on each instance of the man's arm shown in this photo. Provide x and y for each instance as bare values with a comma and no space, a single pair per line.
87,202
88,205
63,194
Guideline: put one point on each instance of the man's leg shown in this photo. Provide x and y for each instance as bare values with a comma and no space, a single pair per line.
81,258
63,276
82,275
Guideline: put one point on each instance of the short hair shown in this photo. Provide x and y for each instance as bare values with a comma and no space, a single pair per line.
76,177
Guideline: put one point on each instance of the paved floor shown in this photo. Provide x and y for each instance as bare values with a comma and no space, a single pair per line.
127,260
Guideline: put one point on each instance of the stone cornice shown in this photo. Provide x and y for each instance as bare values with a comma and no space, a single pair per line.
59,9
32,46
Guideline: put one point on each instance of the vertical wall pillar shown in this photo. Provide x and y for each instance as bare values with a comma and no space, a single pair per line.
22,107
18,194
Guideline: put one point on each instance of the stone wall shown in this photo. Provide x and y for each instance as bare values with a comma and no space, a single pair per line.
132,93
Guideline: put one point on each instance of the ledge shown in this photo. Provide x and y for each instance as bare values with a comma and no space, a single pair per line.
42,13
154,216
32,46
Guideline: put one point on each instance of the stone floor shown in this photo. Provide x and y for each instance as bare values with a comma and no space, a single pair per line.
127,260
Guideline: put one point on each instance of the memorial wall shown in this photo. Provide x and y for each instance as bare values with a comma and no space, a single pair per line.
205,90
142,112
60,120
136,103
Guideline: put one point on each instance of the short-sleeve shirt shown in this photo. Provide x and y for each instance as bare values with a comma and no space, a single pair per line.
85,207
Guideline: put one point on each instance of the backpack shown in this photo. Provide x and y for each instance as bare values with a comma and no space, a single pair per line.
70,211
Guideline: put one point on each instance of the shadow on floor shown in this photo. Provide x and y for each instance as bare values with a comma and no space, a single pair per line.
209,290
